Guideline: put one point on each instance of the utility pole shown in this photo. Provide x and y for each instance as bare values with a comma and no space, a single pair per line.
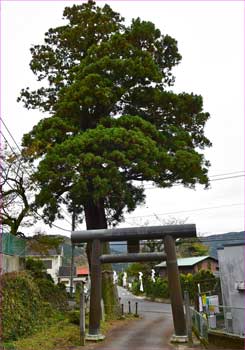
73,226
82,315
188,316
72,270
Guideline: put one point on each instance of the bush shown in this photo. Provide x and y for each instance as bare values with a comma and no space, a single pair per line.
157,289
54,294
37,269
136,288
74,316
189,282
22,308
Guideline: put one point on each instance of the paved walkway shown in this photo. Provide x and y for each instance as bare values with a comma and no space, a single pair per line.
151,332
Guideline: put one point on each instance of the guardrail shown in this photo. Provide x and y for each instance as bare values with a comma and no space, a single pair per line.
224,319
200,324
227,319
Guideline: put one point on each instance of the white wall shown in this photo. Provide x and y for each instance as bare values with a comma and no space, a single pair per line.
56,263
11,263
231,264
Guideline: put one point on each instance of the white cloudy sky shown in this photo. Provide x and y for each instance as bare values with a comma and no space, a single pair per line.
210,40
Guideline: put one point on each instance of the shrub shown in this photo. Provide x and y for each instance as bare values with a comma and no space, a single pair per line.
22,307
189,282
74,316
136,288
37,269
157,289
52,293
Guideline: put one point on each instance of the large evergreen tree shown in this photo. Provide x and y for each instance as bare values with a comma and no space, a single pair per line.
114,122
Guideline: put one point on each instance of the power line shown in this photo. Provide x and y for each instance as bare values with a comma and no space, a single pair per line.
34,211
184,211
231,173
23,168
8,143
211,180
12,137
146,188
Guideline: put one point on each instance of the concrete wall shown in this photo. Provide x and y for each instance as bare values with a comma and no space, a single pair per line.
56,263
11,263
231,265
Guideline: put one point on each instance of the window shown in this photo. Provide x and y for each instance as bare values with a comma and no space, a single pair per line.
47,264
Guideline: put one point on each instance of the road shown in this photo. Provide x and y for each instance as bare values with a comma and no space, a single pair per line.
151,332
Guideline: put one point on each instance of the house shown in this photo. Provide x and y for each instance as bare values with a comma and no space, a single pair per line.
13,252
191,265
80,274
232,278
52,260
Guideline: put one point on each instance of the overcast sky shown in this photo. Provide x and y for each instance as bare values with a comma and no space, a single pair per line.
210,37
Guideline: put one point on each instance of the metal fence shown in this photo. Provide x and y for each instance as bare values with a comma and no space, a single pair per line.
12,245
225,319
199,323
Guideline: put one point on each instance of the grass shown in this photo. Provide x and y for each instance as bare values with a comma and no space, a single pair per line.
59,334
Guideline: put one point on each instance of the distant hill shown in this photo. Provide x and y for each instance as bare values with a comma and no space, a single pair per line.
118,247
212,241
219,240
79,252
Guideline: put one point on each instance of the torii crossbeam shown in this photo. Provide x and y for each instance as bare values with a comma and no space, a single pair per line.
133,235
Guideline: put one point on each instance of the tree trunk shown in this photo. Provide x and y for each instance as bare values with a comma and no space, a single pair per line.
96,219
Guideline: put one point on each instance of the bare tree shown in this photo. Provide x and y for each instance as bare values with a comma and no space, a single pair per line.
17,192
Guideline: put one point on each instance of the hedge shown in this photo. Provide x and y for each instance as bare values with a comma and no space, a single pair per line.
22,306
54,294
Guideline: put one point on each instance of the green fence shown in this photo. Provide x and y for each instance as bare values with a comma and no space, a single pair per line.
200,324
12,245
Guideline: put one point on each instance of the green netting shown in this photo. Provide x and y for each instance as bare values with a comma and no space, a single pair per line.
12,245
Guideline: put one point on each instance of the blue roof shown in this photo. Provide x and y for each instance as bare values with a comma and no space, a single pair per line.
188,261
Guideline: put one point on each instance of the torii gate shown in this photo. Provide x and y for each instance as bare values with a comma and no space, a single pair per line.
133,235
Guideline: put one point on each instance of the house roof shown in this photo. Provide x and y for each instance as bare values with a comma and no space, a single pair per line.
188,261
82,270
65,271
49,253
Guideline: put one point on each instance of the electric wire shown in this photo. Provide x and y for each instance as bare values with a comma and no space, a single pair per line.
25,169
34,211
184,211
146,188
54,225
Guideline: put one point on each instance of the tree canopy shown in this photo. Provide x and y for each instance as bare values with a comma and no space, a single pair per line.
114,120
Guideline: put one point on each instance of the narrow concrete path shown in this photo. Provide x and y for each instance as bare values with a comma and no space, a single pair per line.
151,332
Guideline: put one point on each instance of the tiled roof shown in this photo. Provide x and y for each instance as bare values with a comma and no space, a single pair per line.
188,261
82,270
65,271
